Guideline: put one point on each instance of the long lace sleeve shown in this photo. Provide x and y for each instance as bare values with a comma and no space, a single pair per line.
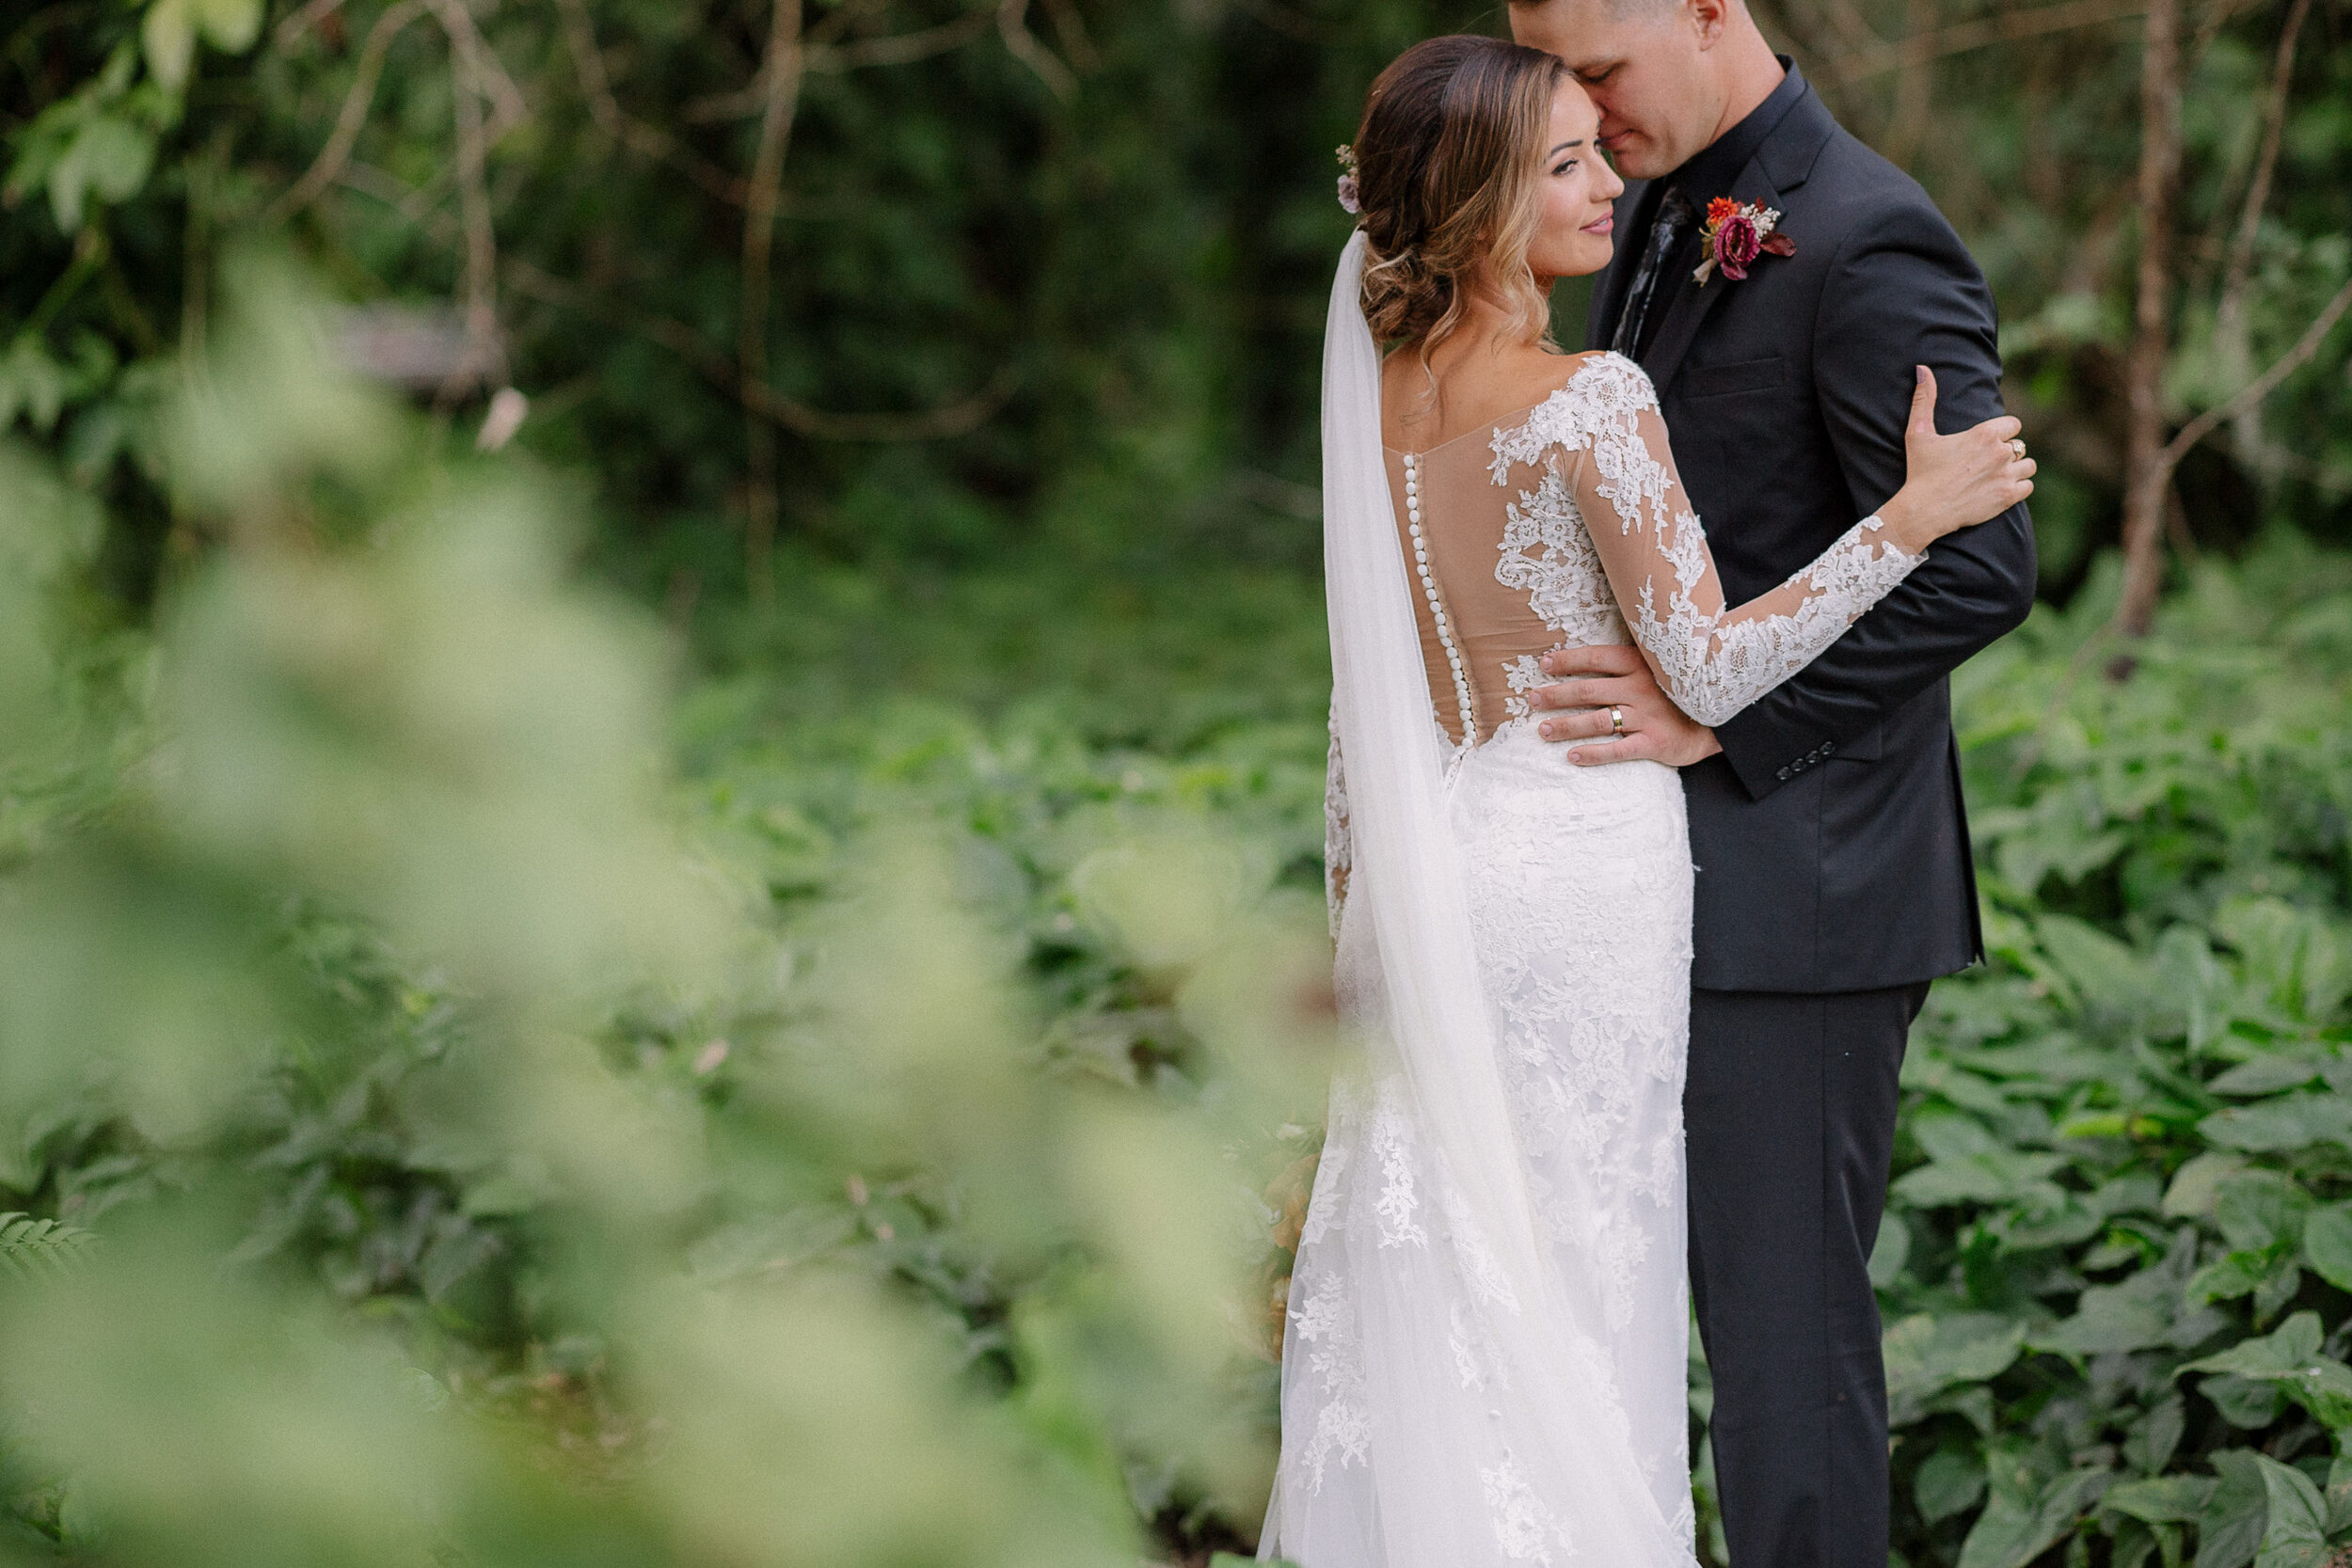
1713,659
1337,853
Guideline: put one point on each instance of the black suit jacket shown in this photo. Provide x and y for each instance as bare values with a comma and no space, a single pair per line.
1832,846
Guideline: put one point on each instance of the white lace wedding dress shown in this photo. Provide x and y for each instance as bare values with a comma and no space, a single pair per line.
1432,1416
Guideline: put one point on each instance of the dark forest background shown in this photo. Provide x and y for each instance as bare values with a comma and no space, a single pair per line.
662,685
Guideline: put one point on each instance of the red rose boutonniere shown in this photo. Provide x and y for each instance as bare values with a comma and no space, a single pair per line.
1737,233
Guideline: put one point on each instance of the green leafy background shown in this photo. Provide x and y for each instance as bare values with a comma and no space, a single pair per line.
731,988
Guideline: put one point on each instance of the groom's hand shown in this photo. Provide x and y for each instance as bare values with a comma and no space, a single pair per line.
1613,675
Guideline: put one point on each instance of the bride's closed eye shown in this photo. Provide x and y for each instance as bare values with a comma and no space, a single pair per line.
1566,164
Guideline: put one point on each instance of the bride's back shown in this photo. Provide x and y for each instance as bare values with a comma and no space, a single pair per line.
1463,385
1503,570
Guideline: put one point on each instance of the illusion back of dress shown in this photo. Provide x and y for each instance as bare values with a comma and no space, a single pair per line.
1505,573
1497,529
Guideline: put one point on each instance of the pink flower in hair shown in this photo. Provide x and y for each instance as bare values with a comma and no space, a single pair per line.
1351,194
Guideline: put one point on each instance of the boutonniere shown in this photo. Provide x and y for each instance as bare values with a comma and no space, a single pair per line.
1737,232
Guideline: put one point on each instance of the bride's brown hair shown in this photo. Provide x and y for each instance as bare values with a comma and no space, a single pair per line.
1445,166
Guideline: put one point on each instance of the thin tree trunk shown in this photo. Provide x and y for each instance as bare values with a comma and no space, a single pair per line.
1907,126
2232,331
780,79
2147,471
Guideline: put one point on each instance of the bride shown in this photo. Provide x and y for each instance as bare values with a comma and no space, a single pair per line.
1486,1344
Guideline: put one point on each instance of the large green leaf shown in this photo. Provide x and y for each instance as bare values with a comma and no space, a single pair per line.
169,29
2268,1075
2294,952
2153,1440
2247,1403
1927,1354
2109,976
2019,1525
2288,1359
1996,1176
109,157
2142,1312
2271,1277
2295,1122
1949,1482
2257,1210
2161,1499
2196,1189
2328,1244
2278,1353
2230,1526
2296,1535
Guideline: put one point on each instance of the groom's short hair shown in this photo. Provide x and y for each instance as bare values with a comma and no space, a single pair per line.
1619,11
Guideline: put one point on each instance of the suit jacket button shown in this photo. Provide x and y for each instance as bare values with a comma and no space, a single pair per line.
1828,746
1783,775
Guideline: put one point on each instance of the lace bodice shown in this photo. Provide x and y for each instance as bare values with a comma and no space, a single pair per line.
1507,566
1500,533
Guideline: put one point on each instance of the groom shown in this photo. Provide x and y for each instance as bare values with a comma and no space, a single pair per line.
1834,874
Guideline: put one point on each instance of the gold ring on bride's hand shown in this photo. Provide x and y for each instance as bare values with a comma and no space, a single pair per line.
1616,720
2018,446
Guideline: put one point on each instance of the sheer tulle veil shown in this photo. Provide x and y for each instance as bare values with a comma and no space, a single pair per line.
1531,1461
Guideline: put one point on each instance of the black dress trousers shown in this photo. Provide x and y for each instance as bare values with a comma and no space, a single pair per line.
1789,1107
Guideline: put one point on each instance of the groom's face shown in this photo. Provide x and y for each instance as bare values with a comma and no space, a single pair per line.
1648,67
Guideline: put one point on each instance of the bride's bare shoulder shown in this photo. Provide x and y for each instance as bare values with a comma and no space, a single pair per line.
1424,406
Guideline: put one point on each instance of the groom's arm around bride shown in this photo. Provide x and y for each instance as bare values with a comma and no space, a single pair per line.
1833,872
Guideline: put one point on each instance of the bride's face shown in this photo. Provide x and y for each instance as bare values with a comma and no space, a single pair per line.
1574,190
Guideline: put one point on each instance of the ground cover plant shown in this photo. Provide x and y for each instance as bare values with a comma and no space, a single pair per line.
821,1072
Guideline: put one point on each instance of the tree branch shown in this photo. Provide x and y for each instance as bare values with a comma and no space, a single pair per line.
1879,57
2146,474
2231,330
484,357
313,12
1011,20
889,49
580,38
2263,385
352,117
781,69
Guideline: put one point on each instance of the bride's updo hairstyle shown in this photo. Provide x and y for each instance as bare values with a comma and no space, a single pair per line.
1446,163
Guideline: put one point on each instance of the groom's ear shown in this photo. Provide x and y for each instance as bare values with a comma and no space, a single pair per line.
1708,19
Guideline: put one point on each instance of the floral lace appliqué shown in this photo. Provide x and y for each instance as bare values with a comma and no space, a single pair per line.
1713,664
1525,1528
1325,1324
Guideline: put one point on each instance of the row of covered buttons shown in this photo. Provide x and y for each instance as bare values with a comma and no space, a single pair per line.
1825,749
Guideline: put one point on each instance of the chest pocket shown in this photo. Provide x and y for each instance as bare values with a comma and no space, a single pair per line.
1744,375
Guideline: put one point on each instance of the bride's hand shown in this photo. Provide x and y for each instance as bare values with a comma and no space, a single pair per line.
1954,482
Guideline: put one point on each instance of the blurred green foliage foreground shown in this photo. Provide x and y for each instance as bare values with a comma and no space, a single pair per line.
471,1149
468,1116
456,1108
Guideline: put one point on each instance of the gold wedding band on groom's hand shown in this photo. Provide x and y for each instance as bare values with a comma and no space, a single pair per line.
1616,720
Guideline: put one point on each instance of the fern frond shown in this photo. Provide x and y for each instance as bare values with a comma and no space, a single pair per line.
35,1249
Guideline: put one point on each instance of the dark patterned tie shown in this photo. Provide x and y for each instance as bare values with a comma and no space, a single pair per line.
1635,324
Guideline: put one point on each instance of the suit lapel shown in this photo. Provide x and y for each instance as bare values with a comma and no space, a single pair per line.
1693,301
1632,211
